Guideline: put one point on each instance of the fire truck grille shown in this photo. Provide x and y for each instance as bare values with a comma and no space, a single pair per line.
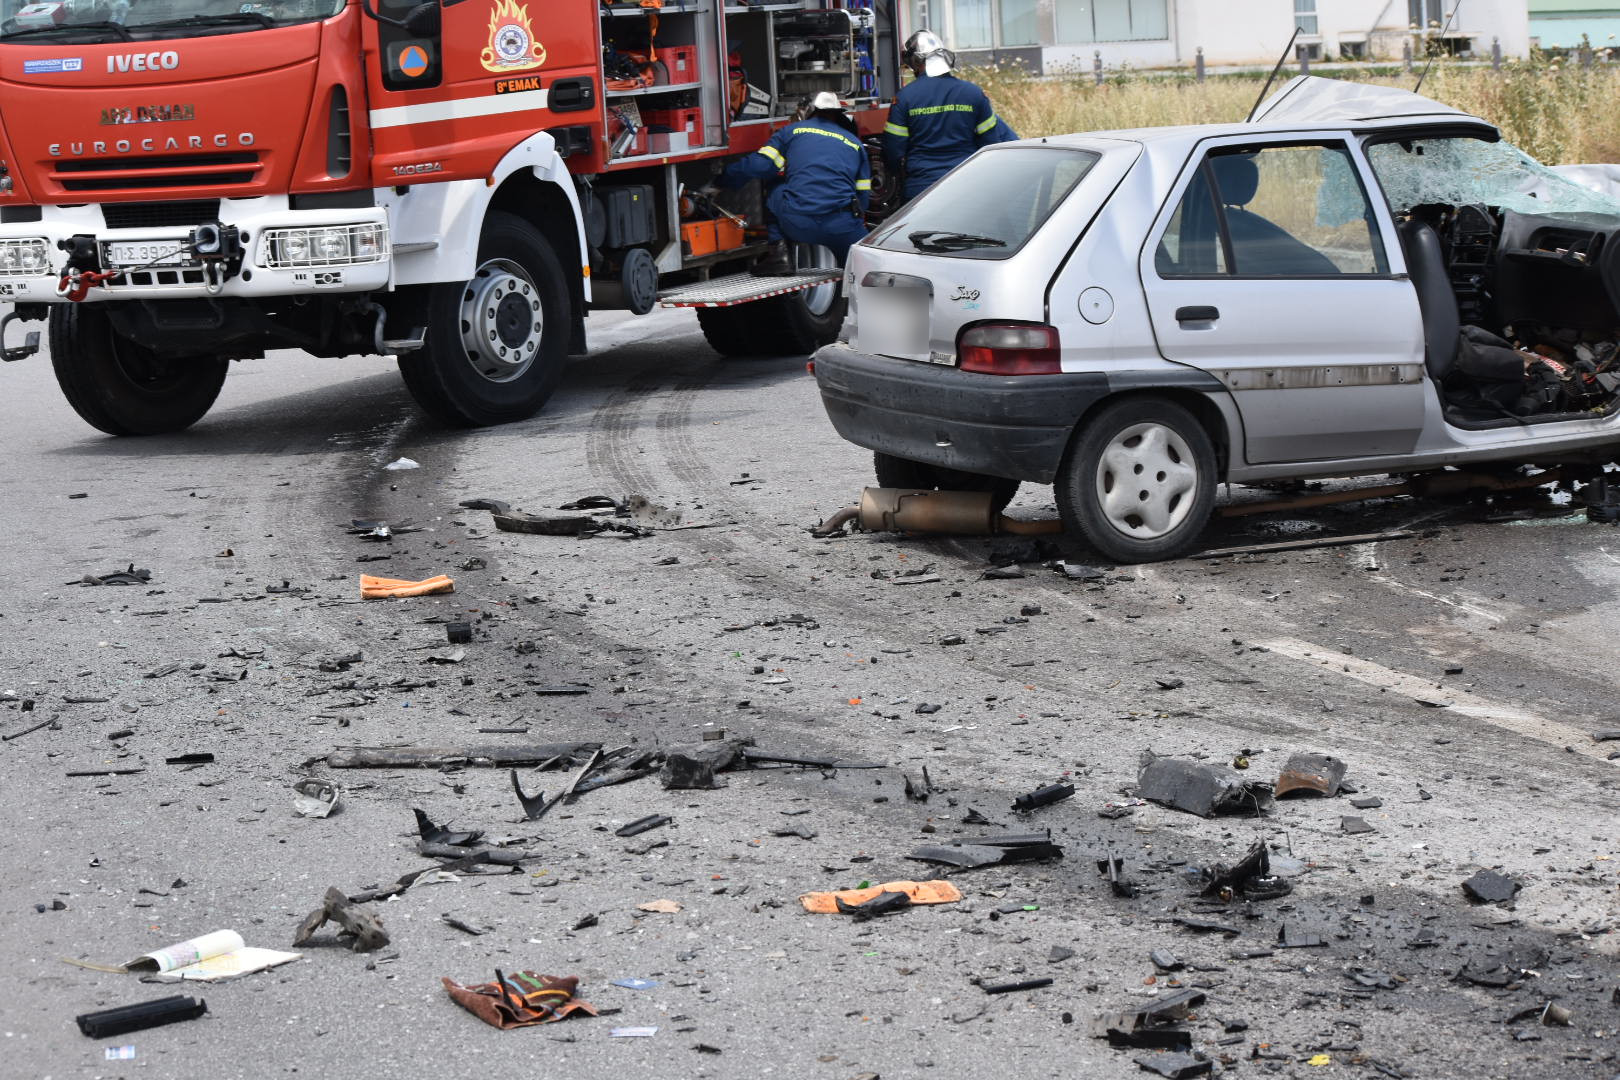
160,215
173,171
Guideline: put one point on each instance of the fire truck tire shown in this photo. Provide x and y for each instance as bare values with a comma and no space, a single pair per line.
497,344
796,324
123,388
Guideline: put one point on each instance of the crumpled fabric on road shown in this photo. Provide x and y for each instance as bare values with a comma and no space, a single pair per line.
521,999
381,588
920,892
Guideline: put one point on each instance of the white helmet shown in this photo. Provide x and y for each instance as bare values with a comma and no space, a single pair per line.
826,99
926,54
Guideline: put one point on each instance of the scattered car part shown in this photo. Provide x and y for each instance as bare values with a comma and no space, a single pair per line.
884,903
458,633
1250,878
522,999
1489,887
129,576
953,513
755,757
496,505
437,757
316,798
1310,774
1013,987
106,1023
367,929
1045,796
919,892
437,834
969,853
1199,789
645,824
381,588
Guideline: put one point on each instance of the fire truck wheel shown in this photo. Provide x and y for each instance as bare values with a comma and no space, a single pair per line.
496,345
123,388
796,324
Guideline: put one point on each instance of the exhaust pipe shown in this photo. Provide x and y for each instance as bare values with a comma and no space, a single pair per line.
952,513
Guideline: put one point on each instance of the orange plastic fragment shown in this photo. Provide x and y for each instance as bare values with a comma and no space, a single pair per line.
377,588
921,892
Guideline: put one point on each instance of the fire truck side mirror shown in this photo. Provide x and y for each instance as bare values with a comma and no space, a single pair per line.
423,19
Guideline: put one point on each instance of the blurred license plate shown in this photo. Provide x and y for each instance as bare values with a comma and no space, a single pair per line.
893,322
146,252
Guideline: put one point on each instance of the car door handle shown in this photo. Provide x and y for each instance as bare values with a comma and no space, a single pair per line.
1197,313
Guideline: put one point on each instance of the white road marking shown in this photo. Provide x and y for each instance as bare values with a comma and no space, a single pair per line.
1503,716
1460,605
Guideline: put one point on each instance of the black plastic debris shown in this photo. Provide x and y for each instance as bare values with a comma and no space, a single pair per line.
1152,1026
1290,938
1013,987
1177,1066
645,824
1079,572
884,903
592,502
1045,796
189,759
1376,980
919,791
365,927
130,576
1112,867
1489,887
1370,802
1310,774
532,805
1209,926
694,766
969,853
148,1014
1501,968
1199,789
496,505
1165,960
1250,878
438,834
926,709
458,633
1003,573
1351,825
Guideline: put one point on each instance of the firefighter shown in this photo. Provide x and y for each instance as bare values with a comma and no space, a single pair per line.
823,183
937,120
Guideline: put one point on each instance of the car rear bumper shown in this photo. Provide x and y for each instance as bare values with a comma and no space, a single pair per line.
1016,427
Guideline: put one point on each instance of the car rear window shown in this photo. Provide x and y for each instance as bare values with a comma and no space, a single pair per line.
990,206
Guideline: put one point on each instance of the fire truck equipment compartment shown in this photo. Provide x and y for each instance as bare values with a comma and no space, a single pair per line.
630,213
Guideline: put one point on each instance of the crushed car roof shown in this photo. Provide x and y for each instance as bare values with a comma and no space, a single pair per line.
1310,102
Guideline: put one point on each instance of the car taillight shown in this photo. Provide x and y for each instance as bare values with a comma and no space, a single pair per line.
1009,349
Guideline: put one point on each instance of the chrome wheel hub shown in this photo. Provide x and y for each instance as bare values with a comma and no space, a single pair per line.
1146,481
502,322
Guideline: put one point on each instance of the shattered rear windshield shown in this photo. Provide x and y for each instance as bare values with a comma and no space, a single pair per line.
1464,171
989,205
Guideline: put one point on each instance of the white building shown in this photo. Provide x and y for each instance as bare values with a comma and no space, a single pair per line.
1048,34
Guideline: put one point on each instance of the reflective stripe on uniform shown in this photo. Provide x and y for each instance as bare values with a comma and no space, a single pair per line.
863,185
847,141
986,125
929,110
776,158
896,129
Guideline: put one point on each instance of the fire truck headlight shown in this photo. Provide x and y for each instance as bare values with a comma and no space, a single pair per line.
324,245
24,257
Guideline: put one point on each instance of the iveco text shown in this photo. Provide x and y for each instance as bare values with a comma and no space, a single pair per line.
152,61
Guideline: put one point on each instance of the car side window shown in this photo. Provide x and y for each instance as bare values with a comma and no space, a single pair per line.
1275,211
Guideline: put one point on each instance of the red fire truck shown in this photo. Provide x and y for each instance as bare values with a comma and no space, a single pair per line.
455,182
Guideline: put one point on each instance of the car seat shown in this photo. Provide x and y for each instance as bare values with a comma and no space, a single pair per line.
1260,248
1426,265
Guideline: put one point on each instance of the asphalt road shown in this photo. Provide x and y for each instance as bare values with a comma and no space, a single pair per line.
745,623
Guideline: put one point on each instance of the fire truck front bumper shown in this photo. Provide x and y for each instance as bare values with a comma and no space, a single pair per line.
257,248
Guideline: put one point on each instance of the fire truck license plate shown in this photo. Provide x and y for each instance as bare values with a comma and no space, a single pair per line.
128,253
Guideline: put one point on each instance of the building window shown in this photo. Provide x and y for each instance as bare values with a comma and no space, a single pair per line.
1086,21
1427,14
1305,16
1020,25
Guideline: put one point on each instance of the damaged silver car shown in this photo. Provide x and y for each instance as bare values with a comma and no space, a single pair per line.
1361,281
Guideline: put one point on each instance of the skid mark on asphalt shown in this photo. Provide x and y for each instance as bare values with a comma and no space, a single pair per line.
1508,717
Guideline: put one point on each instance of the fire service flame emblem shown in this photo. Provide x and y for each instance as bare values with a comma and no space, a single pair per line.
512,46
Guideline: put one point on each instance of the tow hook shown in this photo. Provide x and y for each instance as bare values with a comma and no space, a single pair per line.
30,345
393,346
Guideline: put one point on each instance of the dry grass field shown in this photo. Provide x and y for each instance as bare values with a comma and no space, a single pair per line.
1558,113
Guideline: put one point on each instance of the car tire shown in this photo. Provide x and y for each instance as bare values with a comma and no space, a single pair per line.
1138,482
123,388
496,343
899,472
795,324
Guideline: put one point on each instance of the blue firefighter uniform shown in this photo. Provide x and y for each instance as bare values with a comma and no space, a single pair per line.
936,122
824,177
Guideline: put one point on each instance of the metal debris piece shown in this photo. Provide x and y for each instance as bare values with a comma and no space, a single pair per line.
1112,867
1489,887
316,798
1181,1066
1045,796
1199,789
435,757
1165,960
969,853
533,805
1310,774
1013,987
884,903
645,824
1250,878
367,929
1152,1026
437,834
